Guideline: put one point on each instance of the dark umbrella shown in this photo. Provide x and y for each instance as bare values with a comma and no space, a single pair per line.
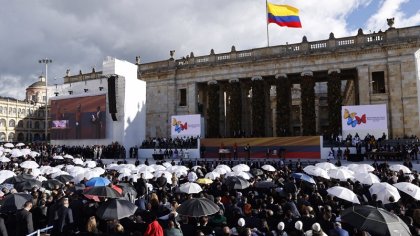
197,207
52,184
237,182
303,177
64,178
27,185
257,172
14,202
102,191
374,220
128,189
115,209
18,179
265,184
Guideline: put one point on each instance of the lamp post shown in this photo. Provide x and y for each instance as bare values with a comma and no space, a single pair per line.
46,61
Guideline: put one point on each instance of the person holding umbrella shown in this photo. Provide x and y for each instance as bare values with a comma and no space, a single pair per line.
24,223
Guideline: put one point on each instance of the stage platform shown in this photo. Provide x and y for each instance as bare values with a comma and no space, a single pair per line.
307,147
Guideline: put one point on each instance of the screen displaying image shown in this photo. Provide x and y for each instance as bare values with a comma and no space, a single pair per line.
60,124
78,118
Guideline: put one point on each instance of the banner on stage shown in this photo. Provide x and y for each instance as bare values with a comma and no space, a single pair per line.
364,119
185,125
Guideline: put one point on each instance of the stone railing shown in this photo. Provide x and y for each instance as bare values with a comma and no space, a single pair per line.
361,40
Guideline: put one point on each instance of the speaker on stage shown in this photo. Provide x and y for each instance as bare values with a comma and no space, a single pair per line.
112,96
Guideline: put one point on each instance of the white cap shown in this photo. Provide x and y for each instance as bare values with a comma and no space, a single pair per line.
280,226
316,227
298,225
241,222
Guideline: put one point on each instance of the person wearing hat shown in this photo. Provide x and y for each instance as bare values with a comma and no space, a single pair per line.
299,228
316,231
338,230
280,230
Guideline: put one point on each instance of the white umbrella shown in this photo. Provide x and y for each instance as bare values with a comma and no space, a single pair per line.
68,156
41,178
58,158
326,165
269,168
16,153
340,174
5,174
51,170
146,174
180,173
243,175
4,159
9,145
78,161
367,178
398,167
125,174
221,171
146,168
192,176
361,168
212,175
383,191
241,167
36,172
409,188
168,175
316,171
29,165
25,151
167,164
194,168
34,154
90,164
58,173
99,170
343,193
190,188
226,167
158,167
8,150
20,145
124,170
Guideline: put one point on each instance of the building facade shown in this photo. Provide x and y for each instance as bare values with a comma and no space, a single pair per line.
24,120
293,89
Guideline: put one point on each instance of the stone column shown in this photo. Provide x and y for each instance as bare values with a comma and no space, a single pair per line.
335,101
246,107
283,105
213,109
258,107
235,107
192,98
363,82
396,101
308,103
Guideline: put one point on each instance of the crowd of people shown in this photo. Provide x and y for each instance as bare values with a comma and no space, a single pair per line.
170,143
288,207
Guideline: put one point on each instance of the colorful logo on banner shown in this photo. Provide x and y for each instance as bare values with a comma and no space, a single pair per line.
178,126
352,119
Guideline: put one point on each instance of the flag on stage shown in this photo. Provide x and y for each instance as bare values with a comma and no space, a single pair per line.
283,15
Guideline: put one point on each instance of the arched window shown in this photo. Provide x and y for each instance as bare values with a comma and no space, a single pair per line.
2,123
1,110
14,110
21,137
11,137
12,123
2,137
20,124
36,125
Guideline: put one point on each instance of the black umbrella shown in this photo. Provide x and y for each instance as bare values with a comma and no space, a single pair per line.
14,202
52,184
237,182
27,185
64,178
265,184
18,179
197,207
374,220
257,172
128,189
102,191
115,209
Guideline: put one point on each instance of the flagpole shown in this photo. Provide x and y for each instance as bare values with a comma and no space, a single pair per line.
266,22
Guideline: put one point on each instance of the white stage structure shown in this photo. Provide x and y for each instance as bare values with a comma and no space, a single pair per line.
128,125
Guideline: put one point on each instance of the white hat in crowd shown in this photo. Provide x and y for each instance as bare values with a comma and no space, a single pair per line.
241,222
298,225
280,226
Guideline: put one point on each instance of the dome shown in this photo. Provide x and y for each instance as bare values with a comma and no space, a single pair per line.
37,84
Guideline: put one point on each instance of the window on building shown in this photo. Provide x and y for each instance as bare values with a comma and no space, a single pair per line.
36,125
12,123
2,137
20,124
14,110
1,110
182,97
2,123
11,137
10,110
378,82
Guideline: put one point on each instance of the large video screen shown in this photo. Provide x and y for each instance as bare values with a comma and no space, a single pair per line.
78,118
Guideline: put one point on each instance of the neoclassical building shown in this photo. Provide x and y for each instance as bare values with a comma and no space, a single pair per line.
24,120
293,89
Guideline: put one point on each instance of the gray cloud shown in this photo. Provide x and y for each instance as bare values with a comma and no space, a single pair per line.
79,34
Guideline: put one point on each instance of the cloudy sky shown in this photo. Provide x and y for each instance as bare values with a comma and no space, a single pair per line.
79,34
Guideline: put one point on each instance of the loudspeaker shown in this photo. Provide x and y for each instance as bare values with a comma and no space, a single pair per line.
112,96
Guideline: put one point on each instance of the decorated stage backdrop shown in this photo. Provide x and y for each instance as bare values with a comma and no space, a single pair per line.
364,119
185,125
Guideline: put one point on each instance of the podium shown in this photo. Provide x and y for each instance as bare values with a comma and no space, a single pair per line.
223,152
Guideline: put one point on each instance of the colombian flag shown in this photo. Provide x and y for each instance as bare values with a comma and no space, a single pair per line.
283,15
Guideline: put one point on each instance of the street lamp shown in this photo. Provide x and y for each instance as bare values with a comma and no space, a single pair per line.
46,61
